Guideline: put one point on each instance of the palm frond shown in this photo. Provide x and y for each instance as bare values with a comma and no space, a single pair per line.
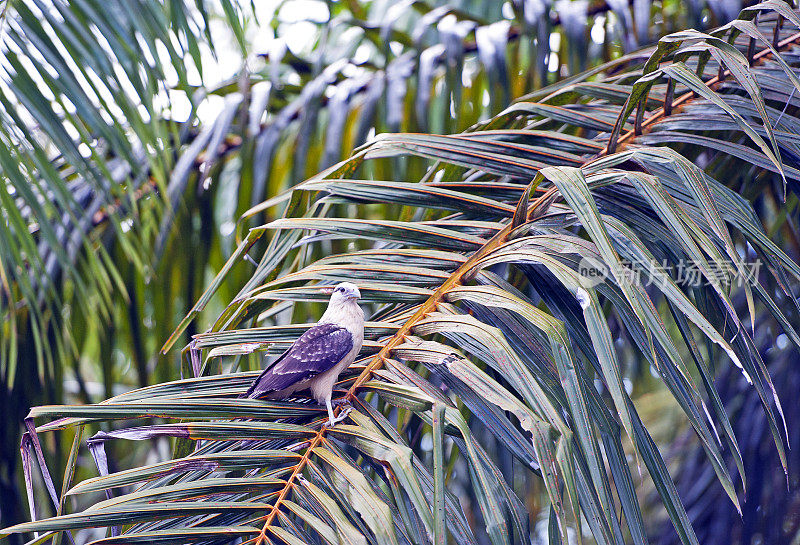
505,313
84,152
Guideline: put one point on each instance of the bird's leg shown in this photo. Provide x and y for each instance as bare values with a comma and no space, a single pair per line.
331,418
335,419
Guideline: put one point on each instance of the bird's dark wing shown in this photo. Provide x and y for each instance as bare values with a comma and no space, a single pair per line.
316,351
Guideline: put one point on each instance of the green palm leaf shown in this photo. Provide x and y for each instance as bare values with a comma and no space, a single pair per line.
487,336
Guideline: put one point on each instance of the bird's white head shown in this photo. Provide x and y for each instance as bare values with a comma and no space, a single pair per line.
346,291
343,308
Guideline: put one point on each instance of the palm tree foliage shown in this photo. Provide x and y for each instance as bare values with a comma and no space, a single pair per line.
94,142
119,145
716,520
496,356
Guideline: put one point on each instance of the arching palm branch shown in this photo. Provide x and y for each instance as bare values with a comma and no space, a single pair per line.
110,163
539,260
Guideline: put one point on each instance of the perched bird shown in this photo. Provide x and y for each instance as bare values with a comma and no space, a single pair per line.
316,359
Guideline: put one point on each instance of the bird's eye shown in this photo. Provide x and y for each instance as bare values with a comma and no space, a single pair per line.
340,289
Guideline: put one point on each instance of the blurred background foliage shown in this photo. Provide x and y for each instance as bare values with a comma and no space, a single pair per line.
140,140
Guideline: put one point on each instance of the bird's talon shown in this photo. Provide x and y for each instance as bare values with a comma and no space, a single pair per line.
342,416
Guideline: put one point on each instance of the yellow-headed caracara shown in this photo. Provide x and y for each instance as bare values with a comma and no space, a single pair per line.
316,359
